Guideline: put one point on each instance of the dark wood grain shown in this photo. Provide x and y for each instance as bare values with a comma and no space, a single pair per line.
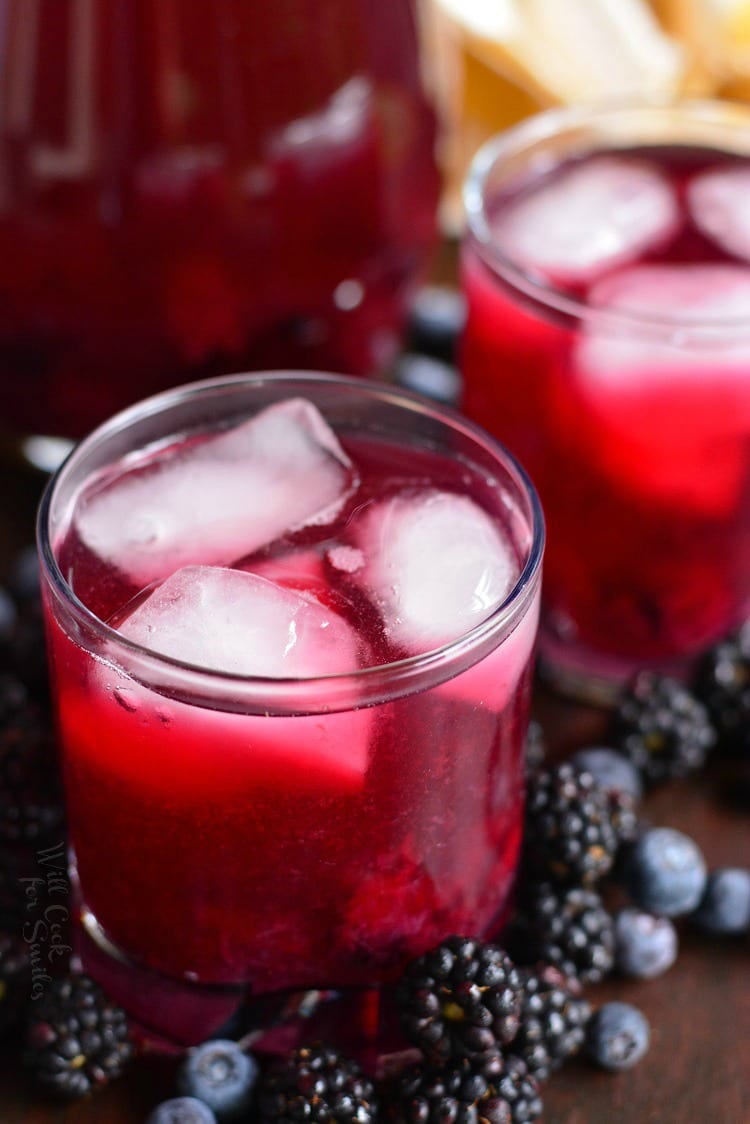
698,1068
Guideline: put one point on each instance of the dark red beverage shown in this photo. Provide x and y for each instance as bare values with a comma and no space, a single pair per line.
608,343
341,785
193,188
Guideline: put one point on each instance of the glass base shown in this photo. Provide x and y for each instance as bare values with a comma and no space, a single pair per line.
589,677
169,1015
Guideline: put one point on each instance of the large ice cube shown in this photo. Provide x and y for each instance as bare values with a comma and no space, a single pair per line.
233,621
237,622
669,416
632,357
435,564
588,218
719,201
217,500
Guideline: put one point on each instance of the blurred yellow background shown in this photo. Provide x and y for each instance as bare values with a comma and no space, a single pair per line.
493,62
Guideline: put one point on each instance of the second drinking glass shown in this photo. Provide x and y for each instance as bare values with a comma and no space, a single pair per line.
607,269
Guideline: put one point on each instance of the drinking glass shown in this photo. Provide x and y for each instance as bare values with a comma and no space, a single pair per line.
607,270
243,833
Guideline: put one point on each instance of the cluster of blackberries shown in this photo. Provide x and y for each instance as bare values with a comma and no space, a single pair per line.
30,793
488,1032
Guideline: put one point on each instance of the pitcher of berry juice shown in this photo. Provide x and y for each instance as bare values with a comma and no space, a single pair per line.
191,188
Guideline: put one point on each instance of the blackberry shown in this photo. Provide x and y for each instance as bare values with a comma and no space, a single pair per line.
316,1083
617,1036
663,728
77,1039
493,1090
568,928
30,793
723,684
15,978
462,1092
461,1000
553,1020
13,699
569,835
27,650
520,1090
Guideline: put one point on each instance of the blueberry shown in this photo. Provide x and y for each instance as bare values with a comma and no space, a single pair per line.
24,577
432,378
221,1075
8,616
436,320
617,1036
664,872
536,748
182,1110
645,946
725,905
612,770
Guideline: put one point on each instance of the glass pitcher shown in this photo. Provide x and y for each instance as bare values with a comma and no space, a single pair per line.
192,187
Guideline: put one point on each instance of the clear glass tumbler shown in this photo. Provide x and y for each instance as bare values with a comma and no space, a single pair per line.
272,832
607,270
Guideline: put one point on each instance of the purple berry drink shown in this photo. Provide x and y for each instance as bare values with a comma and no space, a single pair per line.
196,188
607,269
291,623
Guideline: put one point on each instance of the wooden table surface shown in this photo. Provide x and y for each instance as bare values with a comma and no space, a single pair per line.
698,1068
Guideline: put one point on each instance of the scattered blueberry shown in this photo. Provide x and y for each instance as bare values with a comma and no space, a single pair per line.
7,616
611,770
221,1075
23,579
536,748
182,1110
725,906
436,320
429,377
645,946
617,1036
665,872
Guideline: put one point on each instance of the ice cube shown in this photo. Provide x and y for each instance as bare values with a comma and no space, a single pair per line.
587,219
435,564
217,500
719,201
632,356
666,415
237,622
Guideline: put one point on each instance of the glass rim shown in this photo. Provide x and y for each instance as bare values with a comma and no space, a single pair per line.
390,680
546,125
